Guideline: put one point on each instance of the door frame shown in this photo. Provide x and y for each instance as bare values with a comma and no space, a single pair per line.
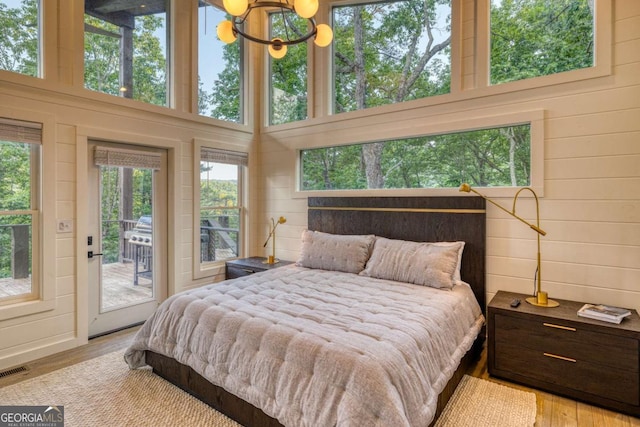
104,321
174,148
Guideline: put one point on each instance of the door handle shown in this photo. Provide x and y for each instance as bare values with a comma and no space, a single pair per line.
90,254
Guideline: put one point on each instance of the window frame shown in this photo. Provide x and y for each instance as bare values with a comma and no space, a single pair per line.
169,68
454,58
602,62
204,270
534,117
43,284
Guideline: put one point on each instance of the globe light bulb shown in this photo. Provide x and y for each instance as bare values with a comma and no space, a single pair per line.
277,50
225,32
235,7
305,8
324,35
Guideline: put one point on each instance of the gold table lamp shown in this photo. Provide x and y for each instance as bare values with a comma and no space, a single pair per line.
540,298
272,235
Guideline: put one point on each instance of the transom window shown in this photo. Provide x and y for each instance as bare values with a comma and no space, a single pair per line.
220,88
288,75
535,38
389,52
125,49
486,157
20,37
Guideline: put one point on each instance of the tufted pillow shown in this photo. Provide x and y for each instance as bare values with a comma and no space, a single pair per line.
420,263
348,253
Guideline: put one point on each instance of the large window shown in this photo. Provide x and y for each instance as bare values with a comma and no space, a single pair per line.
125,50
531,38
288,75
390,52
20,26
220,85
19,209
220,214
486,157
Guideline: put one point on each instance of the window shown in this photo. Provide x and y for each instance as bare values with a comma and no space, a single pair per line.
390,52
20,36
19,209
288,75
540,37
220,216
487,157
125,50
219,68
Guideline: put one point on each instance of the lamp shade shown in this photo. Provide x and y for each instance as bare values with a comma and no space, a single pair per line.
225,32
324,35
305,8
235,7
277,50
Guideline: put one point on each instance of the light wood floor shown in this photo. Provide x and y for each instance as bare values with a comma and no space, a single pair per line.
553,411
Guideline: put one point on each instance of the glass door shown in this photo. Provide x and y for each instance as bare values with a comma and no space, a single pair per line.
127,209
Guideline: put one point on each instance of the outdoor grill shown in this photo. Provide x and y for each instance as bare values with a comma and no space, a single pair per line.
141,234
141,237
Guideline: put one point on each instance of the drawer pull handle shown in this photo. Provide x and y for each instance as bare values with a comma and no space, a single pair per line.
565,328
555,356
246,270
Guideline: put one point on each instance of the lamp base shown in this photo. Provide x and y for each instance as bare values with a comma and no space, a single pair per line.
542,300
271,260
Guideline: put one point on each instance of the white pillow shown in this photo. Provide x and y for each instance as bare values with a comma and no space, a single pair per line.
348,253
420,263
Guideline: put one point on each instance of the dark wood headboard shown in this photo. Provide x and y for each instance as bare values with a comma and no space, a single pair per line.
420,219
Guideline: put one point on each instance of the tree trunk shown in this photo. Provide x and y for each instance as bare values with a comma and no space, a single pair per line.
371,153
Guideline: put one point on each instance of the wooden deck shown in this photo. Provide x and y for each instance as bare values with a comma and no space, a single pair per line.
117,287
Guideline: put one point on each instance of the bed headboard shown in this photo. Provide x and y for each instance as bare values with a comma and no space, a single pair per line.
421,219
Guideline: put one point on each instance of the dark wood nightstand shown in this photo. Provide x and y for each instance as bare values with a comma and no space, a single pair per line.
554,349
246,266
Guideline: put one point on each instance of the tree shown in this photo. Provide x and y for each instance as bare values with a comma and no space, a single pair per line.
19,38
225,97
531,38
102,62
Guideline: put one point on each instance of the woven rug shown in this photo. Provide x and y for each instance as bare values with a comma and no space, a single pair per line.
481,403
103,391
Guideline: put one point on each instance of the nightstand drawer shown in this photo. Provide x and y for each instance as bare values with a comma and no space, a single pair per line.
569,340
611,382
234,271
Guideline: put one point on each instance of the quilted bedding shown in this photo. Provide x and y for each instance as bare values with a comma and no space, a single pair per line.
319,348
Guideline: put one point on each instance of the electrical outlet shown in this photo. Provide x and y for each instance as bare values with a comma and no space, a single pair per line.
65,226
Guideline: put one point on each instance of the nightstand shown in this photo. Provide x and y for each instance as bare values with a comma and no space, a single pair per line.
246,266
554,349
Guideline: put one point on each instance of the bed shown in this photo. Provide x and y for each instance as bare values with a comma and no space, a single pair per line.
346,336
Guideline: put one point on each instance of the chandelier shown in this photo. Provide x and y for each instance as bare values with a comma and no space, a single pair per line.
240,10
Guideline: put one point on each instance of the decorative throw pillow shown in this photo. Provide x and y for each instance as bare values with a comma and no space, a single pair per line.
348,253
420,263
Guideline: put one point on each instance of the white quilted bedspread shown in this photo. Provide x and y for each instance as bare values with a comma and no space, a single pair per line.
319,348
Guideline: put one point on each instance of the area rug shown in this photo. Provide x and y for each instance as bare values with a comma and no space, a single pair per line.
481,403
103,391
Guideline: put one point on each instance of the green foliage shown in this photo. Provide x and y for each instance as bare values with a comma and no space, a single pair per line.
488,157
289,74
226,93
390,52
19,38
531,38
15,195
102,60
111,200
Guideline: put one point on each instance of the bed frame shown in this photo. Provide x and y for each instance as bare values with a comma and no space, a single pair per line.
425,219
